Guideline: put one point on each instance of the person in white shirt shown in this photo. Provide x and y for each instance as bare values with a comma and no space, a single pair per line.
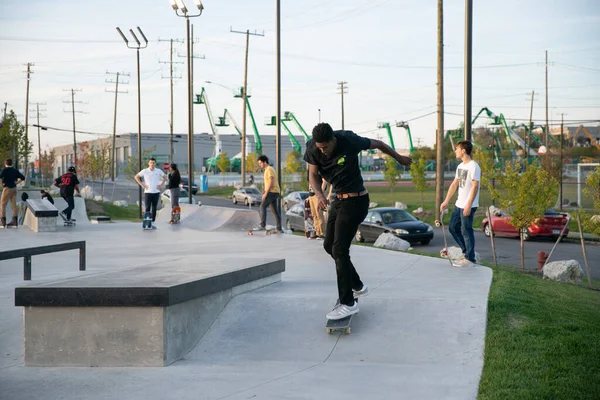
468,176
154,178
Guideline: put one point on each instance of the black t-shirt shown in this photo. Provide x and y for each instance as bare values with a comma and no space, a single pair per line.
67,184
341,168
9,176
174,180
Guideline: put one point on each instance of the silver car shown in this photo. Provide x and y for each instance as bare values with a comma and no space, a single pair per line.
247,195
294,198
294,218
184,198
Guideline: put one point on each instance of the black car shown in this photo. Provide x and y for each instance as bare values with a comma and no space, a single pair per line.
185,185
399,222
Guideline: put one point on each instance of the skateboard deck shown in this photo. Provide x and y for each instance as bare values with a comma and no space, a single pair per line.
176,215
147,222
444,251
66,221
267,232
340,325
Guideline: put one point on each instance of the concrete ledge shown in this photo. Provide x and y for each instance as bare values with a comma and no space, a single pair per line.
41,215
144,316
100,219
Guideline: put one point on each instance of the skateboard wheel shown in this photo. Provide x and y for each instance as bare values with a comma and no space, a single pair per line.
437,223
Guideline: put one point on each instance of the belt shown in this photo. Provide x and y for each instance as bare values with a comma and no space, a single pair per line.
347,195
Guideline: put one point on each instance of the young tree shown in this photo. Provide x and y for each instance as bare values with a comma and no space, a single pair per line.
47,165
251,162
390,172
223,162
292,162
13,143
591,223
417,173
489,172
132,167
528,196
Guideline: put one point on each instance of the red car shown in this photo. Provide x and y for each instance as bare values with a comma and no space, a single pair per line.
549,226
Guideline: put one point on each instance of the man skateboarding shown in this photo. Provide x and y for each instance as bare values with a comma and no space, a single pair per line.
270,197
68,184
154,178
468,176
334,156
10,178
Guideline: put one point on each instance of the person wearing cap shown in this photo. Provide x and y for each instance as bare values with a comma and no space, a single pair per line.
68,184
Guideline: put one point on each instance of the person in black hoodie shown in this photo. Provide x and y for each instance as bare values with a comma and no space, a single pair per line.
68,183
47,196
174,182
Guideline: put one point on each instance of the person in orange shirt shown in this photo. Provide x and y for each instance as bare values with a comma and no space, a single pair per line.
271,195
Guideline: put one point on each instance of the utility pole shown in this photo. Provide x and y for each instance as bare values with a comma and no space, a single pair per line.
278,92
561,159
5,107
113,157
439,169
38,137
73,111
171,62
528,135
343,88
245,99
547,131
29,72
468,66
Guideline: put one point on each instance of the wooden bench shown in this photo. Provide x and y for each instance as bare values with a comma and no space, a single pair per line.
143,316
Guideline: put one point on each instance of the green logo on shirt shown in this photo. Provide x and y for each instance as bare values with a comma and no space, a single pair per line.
341,160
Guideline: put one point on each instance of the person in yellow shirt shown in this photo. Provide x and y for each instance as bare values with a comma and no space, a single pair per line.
271,195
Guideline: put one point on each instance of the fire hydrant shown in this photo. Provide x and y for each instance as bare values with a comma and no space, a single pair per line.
542,257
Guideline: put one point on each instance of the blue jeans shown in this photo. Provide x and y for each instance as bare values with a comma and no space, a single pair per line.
272,201
461,229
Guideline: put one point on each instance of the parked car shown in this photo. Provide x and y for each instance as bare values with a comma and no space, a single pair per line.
294,218
184,198
185,185
247,195
398,222
550,225
294,198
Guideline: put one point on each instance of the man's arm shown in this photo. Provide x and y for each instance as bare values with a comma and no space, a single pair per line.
451,191
316,181
379,145
268,185
137,179
472,194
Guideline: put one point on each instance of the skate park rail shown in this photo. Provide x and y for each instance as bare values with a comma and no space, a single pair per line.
27,253
149,315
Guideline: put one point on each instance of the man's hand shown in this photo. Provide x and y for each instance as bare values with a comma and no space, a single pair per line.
323,202
405,160
443,206
146,186
264,197
467,211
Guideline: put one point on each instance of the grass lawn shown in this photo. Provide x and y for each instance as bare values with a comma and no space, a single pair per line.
129,213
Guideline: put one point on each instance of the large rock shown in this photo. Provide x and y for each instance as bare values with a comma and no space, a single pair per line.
87,192
391,242
120,203
455,253
102,199
400,205
564,271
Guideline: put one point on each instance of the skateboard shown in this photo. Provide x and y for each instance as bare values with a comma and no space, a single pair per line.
268,232
66,221
339,325
147,223
444,251
175,215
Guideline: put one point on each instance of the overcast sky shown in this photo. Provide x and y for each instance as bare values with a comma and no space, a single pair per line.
385,49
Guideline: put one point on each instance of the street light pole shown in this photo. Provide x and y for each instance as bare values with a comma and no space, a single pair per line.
137,46
179,6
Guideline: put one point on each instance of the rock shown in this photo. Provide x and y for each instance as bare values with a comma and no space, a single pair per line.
400,205
87,192
372,204
100,198
564,271
418,210
455,253
391,242
120,203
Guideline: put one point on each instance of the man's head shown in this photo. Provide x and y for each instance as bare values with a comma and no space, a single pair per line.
72,169
463,147
152,163
263,161
8,162
324,138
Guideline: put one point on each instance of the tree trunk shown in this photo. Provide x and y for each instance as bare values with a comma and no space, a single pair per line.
522,250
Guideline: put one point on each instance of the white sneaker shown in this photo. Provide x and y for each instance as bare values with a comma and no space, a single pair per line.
153,226
364,291
342,311
463,262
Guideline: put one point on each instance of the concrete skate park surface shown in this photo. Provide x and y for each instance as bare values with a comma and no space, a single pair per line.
418,335
209,218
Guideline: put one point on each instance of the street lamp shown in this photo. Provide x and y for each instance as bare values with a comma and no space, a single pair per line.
182,11
137,46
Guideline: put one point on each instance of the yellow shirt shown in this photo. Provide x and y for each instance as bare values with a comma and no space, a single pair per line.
270,173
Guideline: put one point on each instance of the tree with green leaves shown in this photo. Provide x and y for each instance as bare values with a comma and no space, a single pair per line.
489,172
47,165
390,172
132,167
251,162
13,142
417,173
591,223
223,162
292,162
528,195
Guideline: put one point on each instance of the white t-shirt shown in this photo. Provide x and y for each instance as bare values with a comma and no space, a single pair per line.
466,174
151,179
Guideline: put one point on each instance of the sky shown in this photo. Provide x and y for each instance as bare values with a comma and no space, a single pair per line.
386,51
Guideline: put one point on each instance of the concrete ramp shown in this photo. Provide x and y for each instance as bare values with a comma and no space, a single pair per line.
213,219
79,214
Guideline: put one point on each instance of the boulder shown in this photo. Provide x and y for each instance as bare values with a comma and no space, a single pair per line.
564,271
87,192
455,253
400,205
391,242
100,198
120,203
418,210
372,204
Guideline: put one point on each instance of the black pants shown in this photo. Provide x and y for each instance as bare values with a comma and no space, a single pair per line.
151,199
344,218
272,201
70,206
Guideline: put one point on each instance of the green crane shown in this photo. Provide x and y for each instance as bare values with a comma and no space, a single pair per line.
222,121
512,137
289,116
404,125
257,142
295,144
202,98
386,125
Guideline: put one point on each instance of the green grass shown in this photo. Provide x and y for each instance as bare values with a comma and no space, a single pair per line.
541,341
129,213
